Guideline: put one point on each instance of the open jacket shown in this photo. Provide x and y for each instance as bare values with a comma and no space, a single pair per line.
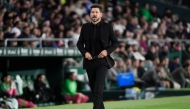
107,37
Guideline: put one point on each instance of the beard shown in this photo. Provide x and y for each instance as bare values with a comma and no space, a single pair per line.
95,19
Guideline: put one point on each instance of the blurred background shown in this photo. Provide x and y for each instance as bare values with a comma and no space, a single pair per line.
152,59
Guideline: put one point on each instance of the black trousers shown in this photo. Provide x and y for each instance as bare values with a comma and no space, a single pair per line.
96,75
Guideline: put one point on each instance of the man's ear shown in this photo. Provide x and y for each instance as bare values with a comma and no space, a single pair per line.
101,14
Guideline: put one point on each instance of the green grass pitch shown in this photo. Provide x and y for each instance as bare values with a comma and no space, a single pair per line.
182,102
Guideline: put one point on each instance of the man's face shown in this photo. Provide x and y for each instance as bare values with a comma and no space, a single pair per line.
153,49
7,79
42,78
35,31
157,61
27,31
136,63
166,61
73,76
119,63
95,14
142,64
177,60
87,18
166,48
159,68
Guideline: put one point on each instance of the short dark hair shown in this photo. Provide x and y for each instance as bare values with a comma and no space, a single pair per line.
84,15
4,76
163,59
185,65
159,65
39,76
25,27
16,23
175,57
96,6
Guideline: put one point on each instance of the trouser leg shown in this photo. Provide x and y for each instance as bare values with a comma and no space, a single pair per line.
101,73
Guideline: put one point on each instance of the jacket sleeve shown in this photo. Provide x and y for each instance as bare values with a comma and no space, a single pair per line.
80,43
113,39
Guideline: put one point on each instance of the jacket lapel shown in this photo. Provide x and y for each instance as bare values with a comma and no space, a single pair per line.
101,35
89,30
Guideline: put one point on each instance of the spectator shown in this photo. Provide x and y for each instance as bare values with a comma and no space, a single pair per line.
85,18
16,28
142,51
136,12
143,43
8,34
129,50
1,39
141,69
134,69
182,75
167,73
187,61
119,28
161,30
8,88
174,64
9,4
152,77
128,62
69,88
154,12
38,15
112,75
164,52
45,93
80,10
145,12
151,54
122,52
155,62
186,53
117,11
132,25
25,33
17,7
135,47
12,43
60,43
76,34
120,66
168,13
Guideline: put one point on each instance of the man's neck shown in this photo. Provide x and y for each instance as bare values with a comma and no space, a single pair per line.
96,22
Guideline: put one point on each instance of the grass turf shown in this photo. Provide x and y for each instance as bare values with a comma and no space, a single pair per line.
182,102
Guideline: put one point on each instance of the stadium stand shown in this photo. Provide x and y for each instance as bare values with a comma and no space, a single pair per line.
42,34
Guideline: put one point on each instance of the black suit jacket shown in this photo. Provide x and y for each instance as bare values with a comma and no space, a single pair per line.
107,37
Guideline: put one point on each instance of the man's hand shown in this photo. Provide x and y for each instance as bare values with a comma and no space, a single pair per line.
88,56
103,54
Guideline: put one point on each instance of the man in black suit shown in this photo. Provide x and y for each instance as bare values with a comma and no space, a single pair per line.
96,42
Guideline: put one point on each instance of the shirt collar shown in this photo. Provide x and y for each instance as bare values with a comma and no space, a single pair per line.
98,24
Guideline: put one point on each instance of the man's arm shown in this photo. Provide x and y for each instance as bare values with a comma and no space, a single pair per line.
113,39
80,43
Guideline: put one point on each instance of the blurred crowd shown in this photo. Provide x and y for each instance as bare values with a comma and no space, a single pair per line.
44,19
183,3
134,25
